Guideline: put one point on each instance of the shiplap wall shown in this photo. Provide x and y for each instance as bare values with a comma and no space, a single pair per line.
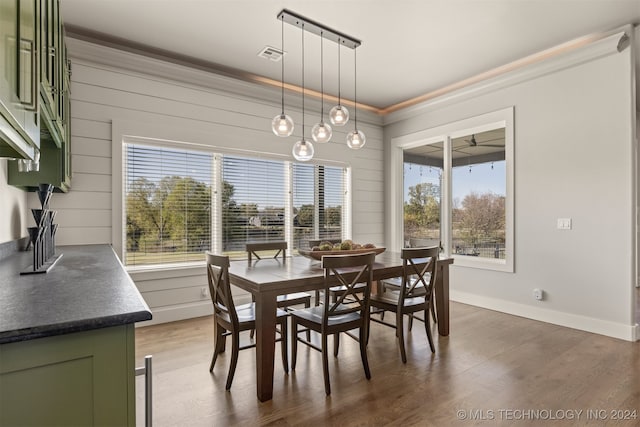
165,100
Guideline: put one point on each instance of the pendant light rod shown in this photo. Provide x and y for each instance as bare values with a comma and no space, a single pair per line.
302,80
355,91
317,28
339,100
321,75
282,62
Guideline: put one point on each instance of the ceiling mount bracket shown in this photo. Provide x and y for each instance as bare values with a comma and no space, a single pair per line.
319,29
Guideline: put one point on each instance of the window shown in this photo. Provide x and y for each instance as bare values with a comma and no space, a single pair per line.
422,209
253,202
168,205
179,203
478,186
457,185
317,214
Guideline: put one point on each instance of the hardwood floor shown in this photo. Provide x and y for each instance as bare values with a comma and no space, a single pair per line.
494,369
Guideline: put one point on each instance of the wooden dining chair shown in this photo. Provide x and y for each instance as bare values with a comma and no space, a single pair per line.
414,295
286,301
395,283
230,319
349,311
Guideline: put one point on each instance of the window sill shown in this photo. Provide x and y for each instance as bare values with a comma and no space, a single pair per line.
150,272
482,263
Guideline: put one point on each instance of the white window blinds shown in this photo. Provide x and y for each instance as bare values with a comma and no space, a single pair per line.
175,209
253,202
167,205
318,203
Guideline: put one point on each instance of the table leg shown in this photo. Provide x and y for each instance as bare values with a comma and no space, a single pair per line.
265,344
442,299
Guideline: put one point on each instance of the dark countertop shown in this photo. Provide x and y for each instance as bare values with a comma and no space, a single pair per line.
88,288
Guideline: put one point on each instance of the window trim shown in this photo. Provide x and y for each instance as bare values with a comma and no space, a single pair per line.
122,134
445,133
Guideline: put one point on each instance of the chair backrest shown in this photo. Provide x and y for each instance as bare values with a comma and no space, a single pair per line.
279,246
348,271
419,271
220,287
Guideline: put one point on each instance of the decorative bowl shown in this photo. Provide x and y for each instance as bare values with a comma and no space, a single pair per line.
317,255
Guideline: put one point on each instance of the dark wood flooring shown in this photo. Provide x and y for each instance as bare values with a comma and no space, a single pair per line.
493,370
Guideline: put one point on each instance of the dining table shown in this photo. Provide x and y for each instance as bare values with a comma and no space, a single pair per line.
267,278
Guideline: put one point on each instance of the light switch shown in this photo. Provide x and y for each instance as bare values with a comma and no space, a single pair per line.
564,223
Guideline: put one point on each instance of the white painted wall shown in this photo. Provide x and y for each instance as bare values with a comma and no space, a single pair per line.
115,93
14,215
574,157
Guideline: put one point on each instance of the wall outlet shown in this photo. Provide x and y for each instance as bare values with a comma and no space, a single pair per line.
204,292
564,223
538,294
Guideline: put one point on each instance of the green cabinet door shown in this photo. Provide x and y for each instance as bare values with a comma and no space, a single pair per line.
53,94
83,378
19,77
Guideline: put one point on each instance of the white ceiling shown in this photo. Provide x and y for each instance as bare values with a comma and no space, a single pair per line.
409,47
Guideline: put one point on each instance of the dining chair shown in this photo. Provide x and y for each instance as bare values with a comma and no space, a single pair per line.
230,319
283,301
349,311
395,283
414,295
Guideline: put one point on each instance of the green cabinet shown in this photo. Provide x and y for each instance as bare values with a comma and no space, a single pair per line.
55,163
51,93
82,378
19,78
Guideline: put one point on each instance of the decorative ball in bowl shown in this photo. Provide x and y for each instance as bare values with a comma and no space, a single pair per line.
346,247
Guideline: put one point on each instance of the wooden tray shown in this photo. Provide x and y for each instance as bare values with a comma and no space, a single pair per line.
317,255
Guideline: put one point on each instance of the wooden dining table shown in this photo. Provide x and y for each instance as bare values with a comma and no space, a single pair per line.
268,278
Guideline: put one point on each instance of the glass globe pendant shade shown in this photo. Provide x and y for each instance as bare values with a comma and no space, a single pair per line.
282,125
321,132
356,139
302,150
339,115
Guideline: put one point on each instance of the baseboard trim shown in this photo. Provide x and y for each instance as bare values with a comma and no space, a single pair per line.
574,321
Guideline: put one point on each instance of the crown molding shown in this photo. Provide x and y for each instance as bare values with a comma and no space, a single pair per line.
566,55
106,50
251,88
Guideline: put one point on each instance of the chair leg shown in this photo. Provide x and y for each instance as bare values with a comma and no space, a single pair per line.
325,365
252,333
410,321
235,349
433,310
336,344
307,305
427,326
283,344
400,334
364,332
217,346
294,343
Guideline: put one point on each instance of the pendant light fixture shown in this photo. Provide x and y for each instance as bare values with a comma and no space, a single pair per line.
355,139
321,132
339,115
282,124
303,149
